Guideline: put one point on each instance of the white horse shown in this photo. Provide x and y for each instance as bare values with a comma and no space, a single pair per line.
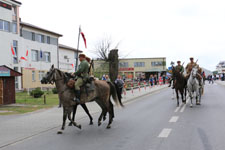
193,86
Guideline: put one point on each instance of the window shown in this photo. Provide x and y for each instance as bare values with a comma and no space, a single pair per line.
40,38
41,75
157,63
14,28
4,25
33,36
139,64
48,39
47,57
33,76
15,48
34,55
123,65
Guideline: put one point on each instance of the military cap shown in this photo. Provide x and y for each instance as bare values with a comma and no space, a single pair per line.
88,59
82,55
178,61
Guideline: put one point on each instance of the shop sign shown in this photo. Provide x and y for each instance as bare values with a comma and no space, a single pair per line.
126,69
4,72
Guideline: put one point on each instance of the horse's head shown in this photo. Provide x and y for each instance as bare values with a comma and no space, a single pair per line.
52,76
49,77
175,72
194,72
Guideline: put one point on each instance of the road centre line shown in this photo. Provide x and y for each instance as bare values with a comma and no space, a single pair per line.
165,133
177,109
183,108
174,119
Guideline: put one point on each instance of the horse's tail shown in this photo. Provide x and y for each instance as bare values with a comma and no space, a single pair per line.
113,93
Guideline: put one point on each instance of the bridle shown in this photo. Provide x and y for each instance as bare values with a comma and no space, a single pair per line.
51,77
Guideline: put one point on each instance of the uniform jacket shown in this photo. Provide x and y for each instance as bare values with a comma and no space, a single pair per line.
82,70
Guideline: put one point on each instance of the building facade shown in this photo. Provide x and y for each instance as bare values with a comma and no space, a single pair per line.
220,68
67,58
29,49
134,67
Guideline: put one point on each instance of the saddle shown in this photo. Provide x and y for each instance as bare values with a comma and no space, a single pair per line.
87,87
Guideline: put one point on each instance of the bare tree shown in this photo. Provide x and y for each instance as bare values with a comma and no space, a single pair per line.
103,48
105,51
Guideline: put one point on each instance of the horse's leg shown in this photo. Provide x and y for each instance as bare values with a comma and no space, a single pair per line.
103,111
111,115
197,96
177,97
87,112
74,123
74,113
64,120
190,95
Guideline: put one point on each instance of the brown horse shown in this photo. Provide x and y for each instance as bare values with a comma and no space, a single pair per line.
101,95
180,85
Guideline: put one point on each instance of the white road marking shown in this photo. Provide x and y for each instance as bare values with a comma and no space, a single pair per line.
164,133
183,108
174,119
177,109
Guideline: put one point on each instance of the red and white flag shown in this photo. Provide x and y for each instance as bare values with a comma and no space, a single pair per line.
72,65
27,53
83,36
23,58
13,52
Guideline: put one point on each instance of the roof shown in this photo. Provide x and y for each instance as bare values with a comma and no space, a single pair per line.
11,73
69,48
16,2
39,28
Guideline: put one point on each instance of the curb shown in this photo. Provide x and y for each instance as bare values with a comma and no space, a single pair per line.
140,96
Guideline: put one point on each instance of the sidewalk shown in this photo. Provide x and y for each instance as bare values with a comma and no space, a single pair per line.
220,82
15,128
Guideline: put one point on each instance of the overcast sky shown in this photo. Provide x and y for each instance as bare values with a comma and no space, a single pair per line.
175,29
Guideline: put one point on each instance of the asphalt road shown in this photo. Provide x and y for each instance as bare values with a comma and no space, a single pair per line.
152,122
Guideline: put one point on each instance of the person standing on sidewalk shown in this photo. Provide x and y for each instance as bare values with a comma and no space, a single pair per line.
119,83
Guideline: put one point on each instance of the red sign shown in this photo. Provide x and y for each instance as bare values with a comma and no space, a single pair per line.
4,5
126,69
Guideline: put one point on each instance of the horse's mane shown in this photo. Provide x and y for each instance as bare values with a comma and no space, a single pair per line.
67,76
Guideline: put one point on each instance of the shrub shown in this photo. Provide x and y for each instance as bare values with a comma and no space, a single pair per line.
54,91
36,93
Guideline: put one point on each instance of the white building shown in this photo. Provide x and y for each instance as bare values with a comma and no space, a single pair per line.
220,67
67,58
30,49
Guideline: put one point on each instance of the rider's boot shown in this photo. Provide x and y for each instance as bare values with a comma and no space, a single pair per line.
77,96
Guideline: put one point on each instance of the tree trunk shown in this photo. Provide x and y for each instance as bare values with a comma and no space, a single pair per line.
113,64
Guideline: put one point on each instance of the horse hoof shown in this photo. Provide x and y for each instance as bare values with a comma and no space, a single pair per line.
108,127
70,124
59,132
91,123
99,123
79,126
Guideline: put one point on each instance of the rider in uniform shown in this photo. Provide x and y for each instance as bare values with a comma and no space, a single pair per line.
179,68
82,75
189,67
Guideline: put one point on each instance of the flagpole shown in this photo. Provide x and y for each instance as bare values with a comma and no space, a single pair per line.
78,48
